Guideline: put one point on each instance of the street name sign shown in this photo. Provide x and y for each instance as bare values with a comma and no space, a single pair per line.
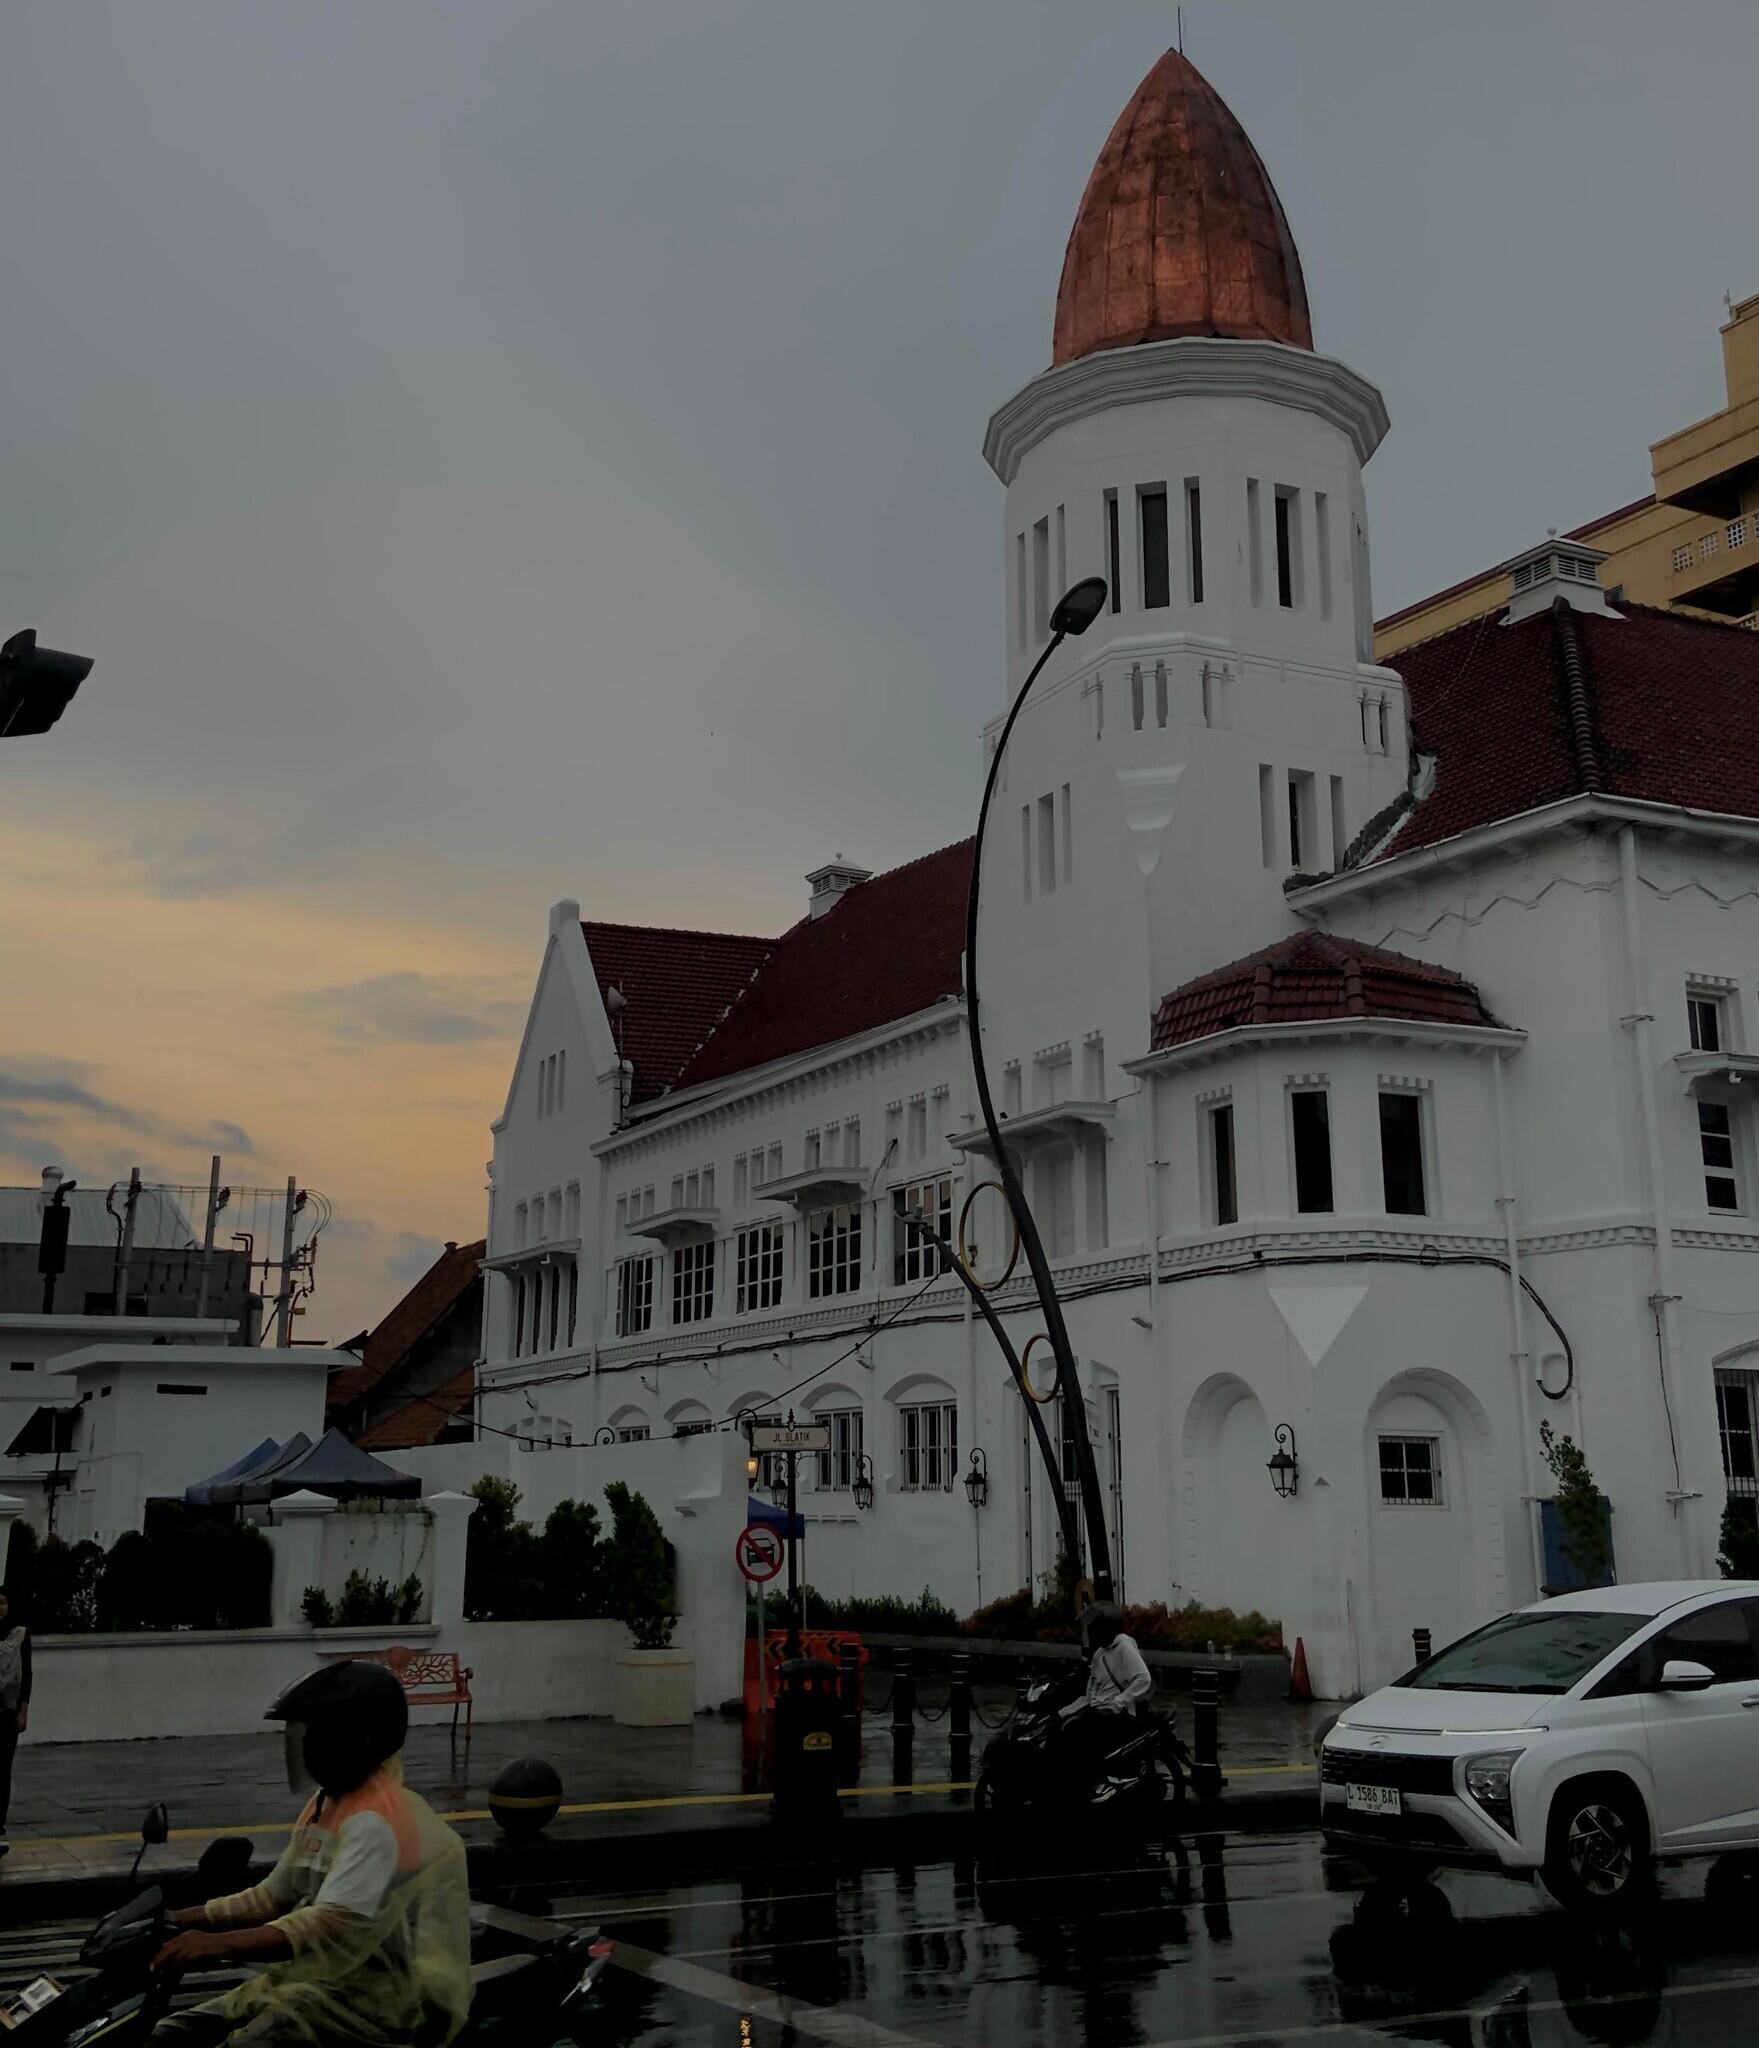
791,1436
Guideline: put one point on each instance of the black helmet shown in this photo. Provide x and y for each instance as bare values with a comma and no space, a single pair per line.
343,1721
1101,1626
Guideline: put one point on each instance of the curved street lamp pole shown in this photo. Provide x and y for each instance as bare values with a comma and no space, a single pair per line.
1075,612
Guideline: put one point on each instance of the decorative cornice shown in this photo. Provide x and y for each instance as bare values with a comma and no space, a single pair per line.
1194,366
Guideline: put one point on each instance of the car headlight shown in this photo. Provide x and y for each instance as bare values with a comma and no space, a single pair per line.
1487,1785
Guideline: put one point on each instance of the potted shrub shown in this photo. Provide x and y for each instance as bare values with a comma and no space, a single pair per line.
655,1684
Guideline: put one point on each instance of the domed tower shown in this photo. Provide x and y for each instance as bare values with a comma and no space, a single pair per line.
1223,722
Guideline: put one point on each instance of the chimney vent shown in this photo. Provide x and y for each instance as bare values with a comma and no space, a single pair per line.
1557,568
831,881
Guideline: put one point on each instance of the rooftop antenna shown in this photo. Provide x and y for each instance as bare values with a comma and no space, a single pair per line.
1181,14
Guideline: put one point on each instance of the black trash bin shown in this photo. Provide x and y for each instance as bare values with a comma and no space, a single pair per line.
805,1762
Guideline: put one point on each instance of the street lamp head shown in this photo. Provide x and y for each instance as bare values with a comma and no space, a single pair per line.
1079,606
36,684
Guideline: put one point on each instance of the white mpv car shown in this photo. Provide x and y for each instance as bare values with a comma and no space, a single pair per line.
1580,1739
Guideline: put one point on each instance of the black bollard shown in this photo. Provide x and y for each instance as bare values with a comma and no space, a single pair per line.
1420,1642
1206,1770
959,1718
903,1719
849,1719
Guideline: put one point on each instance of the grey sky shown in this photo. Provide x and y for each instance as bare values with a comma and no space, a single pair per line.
501,451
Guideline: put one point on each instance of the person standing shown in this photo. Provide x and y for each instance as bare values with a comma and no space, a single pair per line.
15,1700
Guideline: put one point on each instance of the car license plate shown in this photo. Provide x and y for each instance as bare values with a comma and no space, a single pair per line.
1373,1799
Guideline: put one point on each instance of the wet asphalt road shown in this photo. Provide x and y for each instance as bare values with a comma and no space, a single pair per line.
1221,1940
1231,1939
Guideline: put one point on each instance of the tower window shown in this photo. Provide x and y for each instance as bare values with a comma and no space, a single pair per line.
1041,579
1267,813
1340,835
1322,549
1020,591
1310,1122
1194,538
1285,549
1401,1154
1112,565
1047,844
1254,543
1303,821
1156,590
1224,1191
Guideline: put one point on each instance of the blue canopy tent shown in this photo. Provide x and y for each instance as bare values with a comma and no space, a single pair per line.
332,1465
201,1494
773,1517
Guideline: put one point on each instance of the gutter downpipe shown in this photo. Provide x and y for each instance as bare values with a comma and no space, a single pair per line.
1519,1355
1641,1020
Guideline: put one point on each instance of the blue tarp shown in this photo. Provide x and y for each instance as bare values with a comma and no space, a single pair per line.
201,1494
773,1517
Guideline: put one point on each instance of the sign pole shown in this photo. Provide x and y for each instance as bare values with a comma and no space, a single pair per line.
763,1658
793,1563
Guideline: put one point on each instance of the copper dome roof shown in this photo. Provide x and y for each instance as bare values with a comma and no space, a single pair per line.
1180,230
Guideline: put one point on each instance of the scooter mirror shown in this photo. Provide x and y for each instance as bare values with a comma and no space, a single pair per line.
155,1827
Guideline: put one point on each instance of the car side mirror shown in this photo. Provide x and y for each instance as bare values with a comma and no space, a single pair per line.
155,1827
1680,1674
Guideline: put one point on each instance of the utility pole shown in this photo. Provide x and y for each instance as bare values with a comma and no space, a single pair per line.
125,1251
286,1304
201,1299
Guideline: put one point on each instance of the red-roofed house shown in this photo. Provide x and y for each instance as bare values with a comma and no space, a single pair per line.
416,1380
1377,1045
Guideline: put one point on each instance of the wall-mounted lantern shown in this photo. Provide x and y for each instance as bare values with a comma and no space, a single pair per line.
977,1480
862,1485
1284,1469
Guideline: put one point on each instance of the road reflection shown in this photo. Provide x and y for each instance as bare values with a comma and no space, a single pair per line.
1229,1940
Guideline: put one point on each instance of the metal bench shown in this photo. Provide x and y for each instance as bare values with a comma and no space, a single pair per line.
430,1678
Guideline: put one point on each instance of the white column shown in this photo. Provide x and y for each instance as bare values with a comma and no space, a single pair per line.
11,1510
451,1514
296,1537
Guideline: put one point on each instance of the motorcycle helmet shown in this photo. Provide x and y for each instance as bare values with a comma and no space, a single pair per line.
1101,1626
341,1722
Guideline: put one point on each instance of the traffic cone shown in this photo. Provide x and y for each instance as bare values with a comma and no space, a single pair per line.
1300,1685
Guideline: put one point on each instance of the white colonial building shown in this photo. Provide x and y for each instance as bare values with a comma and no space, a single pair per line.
1373,1044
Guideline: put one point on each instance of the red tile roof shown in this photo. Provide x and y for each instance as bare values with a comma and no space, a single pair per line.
885,948
1311,976
424,1418
676,985
433,1297
1661,708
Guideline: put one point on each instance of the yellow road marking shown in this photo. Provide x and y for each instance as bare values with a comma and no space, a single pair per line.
22,1845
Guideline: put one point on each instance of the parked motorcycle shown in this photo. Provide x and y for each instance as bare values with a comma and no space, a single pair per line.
535,1981
1028,1765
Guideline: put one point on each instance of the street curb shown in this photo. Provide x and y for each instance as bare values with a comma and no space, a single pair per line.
605,1860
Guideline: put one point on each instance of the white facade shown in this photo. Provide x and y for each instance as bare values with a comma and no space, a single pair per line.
1174,770
160,1417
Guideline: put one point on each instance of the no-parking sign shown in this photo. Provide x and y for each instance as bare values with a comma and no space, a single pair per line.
759,1551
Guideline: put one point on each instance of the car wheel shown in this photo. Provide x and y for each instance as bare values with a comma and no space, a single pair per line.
1597,1847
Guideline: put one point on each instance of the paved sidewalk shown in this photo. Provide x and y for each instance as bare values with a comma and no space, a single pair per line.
77,1807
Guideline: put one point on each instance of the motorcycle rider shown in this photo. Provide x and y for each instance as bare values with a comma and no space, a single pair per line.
1118,1687
365,1921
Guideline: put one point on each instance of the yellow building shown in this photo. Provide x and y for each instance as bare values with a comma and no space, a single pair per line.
1692,544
